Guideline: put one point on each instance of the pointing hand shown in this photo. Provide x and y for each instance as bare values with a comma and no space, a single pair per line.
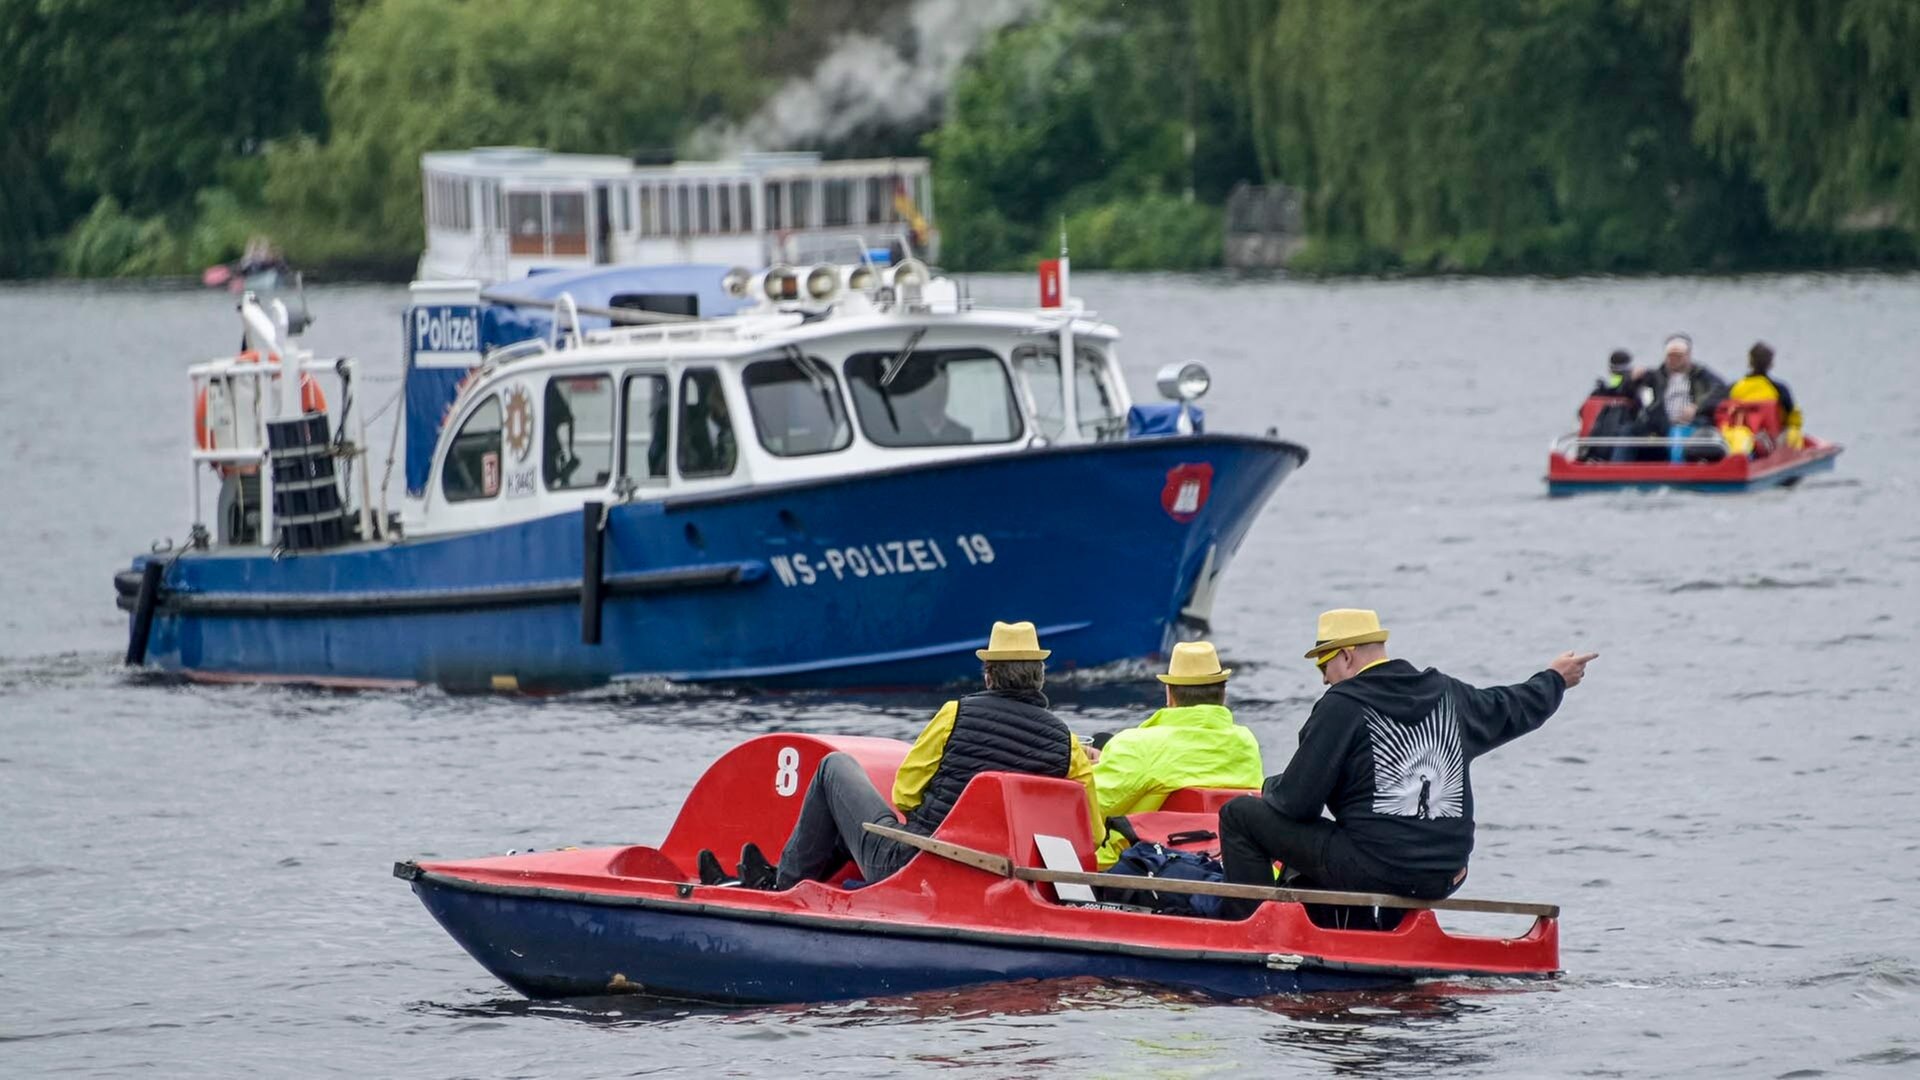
1572,666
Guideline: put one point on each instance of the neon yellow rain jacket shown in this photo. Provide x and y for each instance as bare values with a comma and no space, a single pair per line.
1192,746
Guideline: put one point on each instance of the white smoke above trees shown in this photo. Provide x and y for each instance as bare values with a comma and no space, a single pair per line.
865,82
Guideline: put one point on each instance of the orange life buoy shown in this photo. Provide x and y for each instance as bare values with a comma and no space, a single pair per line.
312,400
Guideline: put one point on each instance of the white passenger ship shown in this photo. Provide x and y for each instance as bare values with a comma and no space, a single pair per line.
501,212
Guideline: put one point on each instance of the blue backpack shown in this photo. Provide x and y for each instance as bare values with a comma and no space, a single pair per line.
1146,859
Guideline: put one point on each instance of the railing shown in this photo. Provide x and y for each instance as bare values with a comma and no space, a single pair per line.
1571,446
247,387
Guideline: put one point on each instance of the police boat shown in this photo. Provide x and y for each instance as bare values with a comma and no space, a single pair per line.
809,476
999,892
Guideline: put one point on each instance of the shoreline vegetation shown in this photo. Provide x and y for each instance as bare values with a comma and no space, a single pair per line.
1558,137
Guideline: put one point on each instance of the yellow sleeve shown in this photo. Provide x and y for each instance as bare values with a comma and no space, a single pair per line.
1079,768
1122,775
923,760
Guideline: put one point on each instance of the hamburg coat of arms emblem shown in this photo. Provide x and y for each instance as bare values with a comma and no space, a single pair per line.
519,422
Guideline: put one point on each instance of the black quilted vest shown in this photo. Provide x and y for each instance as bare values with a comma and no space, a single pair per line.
996,730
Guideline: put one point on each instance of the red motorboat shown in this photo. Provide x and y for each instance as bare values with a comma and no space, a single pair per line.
594,921
1744,450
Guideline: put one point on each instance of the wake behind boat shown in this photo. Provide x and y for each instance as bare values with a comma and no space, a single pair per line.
836,485
971,908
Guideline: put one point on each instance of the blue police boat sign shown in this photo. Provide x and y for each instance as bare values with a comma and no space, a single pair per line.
831,475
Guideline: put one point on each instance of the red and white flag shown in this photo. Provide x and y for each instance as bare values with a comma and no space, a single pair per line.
1053,282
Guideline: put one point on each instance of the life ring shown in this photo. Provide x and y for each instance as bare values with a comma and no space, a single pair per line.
312,400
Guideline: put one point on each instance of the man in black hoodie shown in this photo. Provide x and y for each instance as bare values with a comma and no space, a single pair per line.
1387,750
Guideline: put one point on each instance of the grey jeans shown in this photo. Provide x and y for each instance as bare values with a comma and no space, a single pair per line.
828,833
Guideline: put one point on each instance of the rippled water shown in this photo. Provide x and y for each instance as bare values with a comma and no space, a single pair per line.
1729,809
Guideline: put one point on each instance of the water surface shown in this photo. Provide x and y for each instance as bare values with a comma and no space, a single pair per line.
1729,809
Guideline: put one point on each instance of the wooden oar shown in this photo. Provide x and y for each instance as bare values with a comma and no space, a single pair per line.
1001,866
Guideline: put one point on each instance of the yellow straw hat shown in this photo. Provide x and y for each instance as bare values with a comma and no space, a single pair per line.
1013,641
1194,663
1342,627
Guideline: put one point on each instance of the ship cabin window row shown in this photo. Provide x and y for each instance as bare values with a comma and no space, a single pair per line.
688,208
555,222
925,398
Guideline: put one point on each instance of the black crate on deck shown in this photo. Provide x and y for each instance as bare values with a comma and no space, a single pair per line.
307,511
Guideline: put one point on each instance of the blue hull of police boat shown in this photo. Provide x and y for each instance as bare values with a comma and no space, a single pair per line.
547,946
881,579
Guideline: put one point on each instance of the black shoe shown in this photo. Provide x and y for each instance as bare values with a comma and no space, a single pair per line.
756,872
710,871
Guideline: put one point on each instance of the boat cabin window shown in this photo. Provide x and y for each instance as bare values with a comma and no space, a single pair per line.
939,397
569,223
472,468
527,213
706,430
1093,399
644,453
579,432
796,406
746,207
838,195
776,205
800,195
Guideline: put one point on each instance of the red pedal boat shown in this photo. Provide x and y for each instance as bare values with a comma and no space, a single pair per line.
634,919
1757,457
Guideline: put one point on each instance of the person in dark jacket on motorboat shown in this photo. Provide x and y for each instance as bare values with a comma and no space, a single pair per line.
1006,728
1387,750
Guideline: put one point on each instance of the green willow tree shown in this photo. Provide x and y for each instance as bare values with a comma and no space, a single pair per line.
1820,98
143,104
1483,134
409,76
1085,113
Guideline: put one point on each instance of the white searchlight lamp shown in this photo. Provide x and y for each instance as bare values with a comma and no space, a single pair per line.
1185,383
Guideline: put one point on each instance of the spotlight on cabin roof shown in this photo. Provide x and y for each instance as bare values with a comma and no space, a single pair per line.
822,282
737,281
908,274
778,282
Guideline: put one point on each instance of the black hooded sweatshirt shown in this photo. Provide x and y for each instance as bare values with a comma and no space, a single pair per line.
1387,751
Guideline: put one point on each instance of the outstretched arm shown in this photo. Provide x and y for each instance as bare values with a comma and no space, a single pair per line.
1498,715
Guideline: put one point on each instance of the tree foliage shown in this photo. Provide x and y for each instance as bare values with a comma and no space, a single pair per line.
1087,107
1483,133
146,136
143,103
1819,98
409,76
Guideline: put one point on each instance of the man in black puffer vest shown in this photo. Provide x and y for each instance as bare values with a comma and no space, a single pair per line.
1006,728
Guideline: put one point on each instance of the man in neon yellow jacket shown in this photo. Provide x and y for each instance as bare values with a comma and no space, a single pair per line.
1193,742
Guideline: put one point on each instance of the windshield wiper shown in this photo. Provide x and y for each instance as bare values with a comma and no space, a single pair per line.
893,368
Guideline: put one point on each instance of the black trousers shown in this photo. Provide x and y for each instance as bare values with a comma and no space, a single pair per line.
828,832
1317,854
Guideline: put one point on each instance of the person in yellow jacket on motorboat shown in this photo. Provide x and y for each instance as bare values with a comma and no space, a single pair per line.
1193,742
1760,385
